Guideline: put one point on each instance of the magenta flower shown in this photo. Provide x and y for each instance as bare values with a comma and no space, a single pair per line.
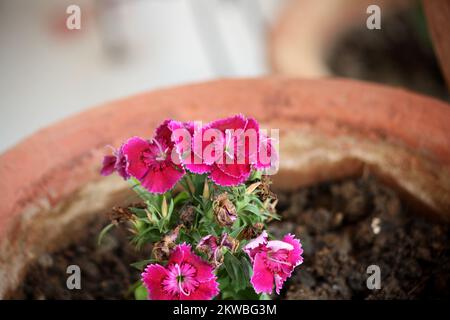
185,277
238,149
273,261
116,162
183,135
151,162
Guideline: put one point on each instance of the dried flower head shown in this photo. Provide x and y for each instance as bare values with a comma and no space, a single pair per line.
162,249
213,247
224,210
120,214
187,215
251,232
264,189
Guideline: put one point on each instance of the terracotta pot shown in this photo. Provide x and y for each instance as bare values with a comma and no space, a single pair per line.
329,129
306,31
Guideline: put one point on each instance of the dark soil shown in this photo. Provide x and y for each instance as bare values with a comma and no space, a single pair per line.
344,227
400,54
105,270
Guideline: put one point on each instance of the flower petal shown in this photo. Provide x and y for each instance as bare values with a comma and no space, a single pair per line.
164,132
223,179
152,278
233,122
295,255
240,171
254,246
162,180
205,291
267,155
262,279
276,245
133,150
109,165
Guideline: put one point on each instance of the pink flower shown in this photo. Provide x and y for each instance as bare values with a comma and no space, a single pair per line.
116,162
238,148
273,261
150,161
185,277
183,135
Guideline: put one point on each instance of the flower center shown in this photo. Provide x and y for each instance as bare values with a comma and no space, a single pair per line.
161,154
277,259
180,279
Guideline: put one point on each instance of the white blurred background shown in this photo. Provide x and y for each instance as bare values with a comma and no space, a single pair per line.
123,47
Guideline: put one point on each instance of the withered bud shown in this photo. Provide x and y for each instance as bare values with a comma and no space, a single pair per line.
224,210
119,215
229,242
251,232
271,206
213,247
207,245
264,189
187,215
161,249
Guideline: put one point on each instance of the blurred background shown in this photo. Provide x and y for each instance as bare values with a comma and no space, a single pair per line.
128,46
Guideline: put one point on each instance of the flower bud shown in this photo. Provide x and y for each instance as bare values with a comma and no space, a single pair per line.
224,210
206,190
164,208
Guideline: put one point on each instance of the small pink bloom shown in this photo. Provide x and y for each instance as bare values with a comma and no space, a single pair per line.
185,277
273,261
116,162
109,165
151,163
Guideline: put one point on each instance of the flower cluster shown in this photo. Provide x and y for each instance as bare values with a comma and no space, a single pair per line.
207,237
227,149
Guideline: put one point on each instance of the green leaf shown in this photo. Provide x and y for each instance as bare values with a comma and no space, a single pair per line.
234,269
237,231
252,209
141,293
181,197
140,265
104,231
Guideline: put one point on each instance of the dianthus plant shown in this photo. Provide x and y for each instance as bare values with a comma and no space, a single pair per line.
205,205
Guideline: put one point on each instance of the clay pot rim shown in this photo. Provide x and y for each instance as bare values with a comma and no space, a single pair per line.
437,148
